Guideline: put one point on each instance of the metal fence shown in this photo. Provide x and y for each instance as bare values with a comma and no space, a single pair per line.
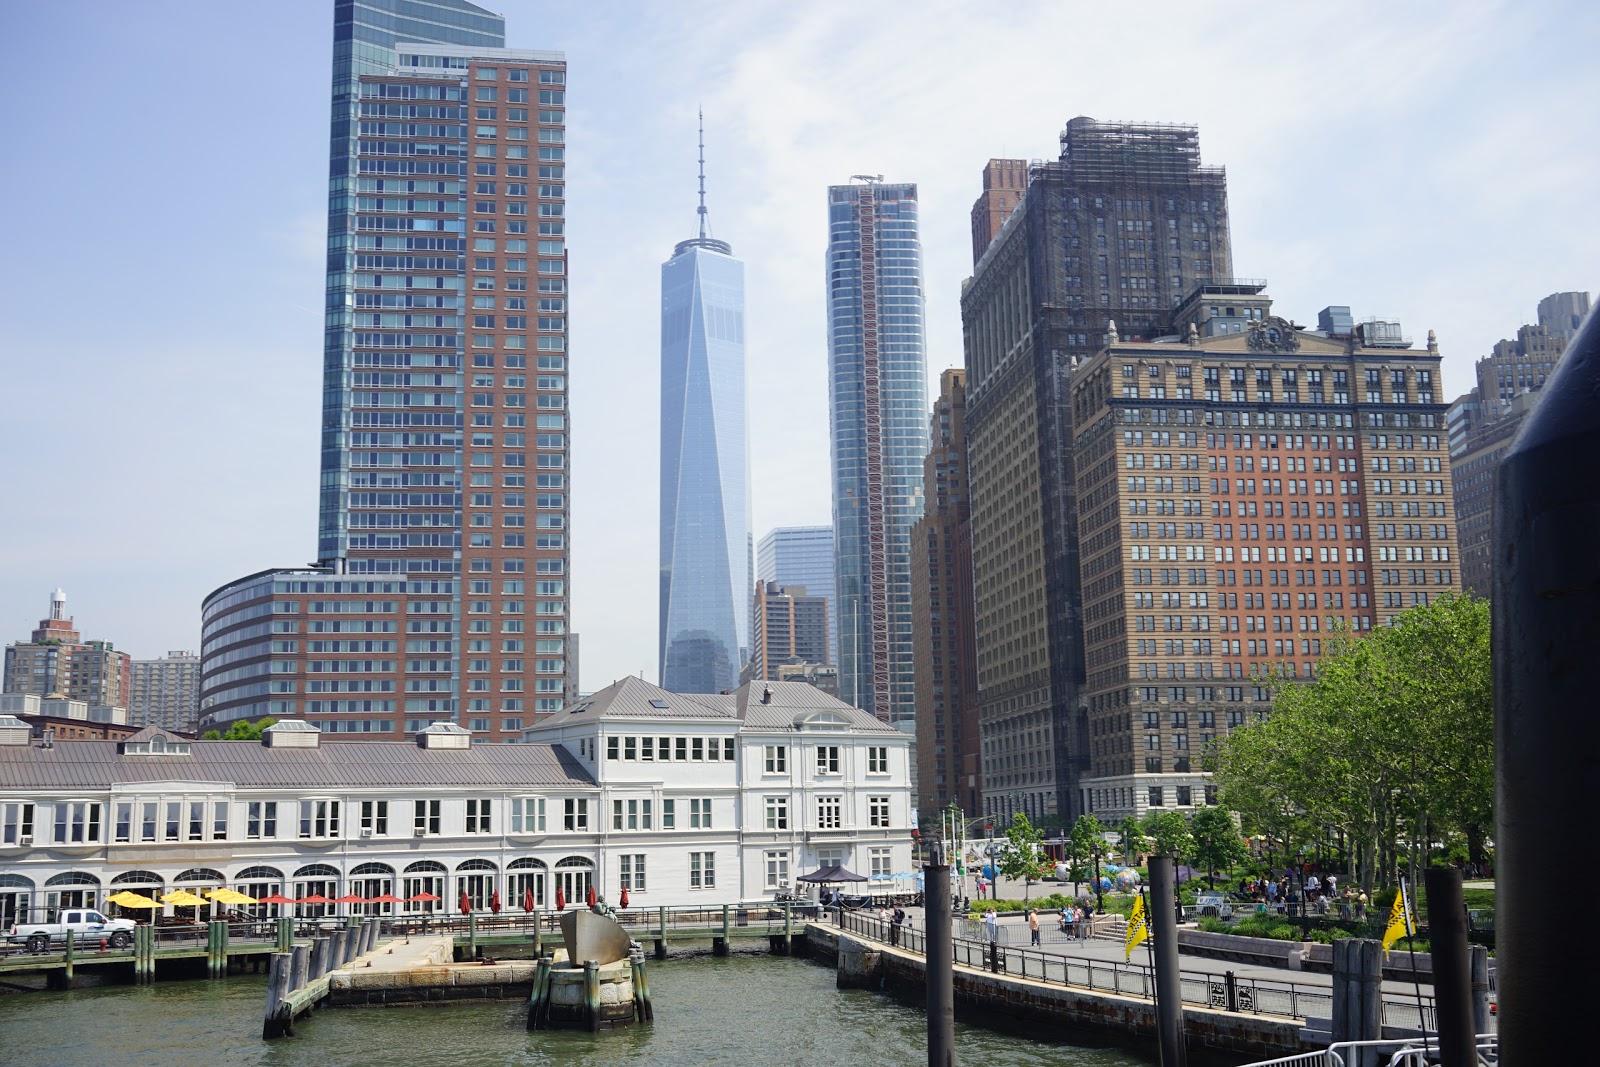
1225,990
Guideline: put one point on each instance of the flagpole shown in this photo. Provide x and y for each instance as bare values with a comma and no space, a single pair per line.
1149,943
1411,948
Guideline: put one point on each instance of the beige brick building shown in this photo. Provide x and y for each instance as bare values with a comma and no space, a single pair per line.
1244,489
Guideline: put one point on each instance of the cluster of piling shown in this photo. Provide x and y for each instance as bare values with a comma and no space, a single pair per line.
297,978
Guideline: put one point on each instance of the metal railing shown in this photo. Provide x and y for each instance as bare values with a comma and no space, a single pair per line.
1400,1052
1225,991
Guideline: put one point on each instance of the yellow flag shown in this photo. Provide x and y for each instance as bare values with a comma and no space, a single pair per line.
1402,919
1138,928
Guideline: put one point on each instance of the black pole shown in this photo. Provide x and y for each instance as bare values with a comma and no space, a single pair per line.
939,958
1452,967
1164,934
1546,608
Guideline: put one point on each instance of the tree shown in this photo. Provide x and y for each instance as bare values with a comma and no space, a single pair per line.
1085,845
1216,842
1391,742
1023,852
1134,840
243,730
1169,834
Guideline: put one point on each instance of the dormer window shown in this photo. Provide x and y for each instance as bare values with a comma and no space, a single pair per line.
154,743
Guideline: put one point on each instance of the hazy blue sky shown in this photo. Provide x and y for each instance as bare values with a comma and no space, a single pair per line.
161,286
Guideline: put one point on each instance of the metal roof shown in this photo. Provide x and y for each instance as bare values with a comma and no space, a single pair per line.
331,765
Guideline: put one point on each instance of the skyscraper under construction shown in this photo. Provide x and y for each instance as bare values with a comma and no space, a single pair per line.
1117,229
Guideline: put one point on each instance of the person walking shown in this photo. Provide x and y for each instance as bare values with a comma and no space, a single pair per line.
1080,919
1033,927
991,926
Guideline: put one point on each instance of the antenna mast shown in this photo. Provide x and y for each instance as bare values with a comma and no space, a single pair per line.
702,208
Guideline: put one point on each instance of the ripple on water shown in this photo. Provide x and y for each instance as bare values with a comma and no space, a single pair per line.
745,1010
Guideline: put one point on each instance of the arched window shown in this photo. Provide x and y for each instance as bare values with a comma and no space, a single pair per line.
72,889
315,880
74,878
201,874
476,865
526,876
317,870
131,878
16,898
476,879
260,882
365,870
15,881
372,880
574,876
257,874
426,867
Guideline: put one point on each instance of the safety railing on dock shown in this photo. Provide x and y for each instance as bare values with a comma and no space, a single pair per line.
1224,991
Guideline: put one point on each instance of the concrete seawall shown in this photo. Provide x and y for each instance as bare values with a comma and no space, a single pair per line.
870,964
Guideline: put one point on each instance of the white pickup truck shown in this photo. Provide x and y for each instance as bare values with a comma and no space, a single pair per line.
87,926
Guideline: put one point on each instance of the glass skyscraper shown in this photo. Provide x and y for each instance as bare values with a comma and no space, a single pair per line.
878,419
802,556
707,565
440,588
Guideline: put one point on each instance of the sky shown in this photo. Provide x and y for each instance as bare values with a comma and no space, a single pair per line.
1429,162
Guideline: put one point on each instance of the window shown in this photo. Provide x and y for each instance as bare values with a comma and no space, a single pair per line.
124,820
613,748
147,820
174,821
630,815
78,821
880,862
631,871
877,811
680,748
827,759
576,816
1157,796
478,815
527,815
669,815
777,869
877,759
777,813
219,821
702,870
319,818
828,813
425,819
727,749
700,814
18,823
777,761
374,818
197,820
1184,795
697,750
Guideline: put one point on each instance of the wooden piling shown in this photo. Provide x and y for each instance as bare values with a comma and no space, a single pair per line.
538,935
285,933
71,952
319,957
643,1010
591,993
274,1025
472,935
300,967
539,997
788,930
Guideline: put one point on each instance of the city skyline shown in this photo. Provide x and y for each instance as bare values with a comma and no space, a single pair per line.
246,339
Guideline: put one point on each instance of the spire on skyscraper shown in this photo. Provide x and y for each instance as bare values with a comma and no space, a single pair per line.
703,240
702,207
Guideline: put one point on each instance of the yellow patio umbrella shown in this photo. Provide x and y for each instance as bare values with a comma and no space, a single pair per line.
129,899
231,896
182,898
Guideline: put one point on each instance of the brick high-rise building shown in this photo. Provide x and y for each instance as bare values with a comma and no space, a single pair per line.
1119,228
1004,182
166,692
441,588
1244,489
790,627
56,661
877,418
942,618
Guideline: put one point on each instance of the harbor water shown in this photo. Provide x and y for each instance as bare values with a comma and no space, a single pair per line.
745,1010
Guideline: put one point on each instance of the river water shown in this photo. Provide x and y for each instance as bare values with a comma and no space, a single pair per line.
745,1010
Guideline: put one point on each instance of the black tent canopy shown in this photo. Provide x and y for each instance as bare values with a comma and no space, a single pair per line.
831,874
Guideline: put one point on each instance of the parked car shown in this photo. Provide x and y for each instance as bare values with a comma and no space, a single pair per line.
85,924
1214,904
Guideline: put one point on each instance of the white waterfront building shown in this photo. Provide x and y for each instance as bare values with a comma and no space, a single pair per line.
685,799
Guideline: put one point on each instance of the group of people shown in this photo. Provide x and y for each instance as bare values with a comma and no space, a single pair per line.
1076,922
1318,894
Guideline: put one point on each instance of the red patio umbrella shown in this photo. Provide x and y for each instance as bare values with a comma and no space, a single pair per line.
276,898
466,905
591,897
386,898
561,900
624,898
527,900
351,898
422,897
314,898
494,902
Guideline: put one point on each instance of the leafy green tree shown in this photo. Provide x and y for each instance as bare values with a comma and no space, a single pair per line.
1023,852
1391,742
243,730
1169,834
1134,840
1216,842
1084,845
